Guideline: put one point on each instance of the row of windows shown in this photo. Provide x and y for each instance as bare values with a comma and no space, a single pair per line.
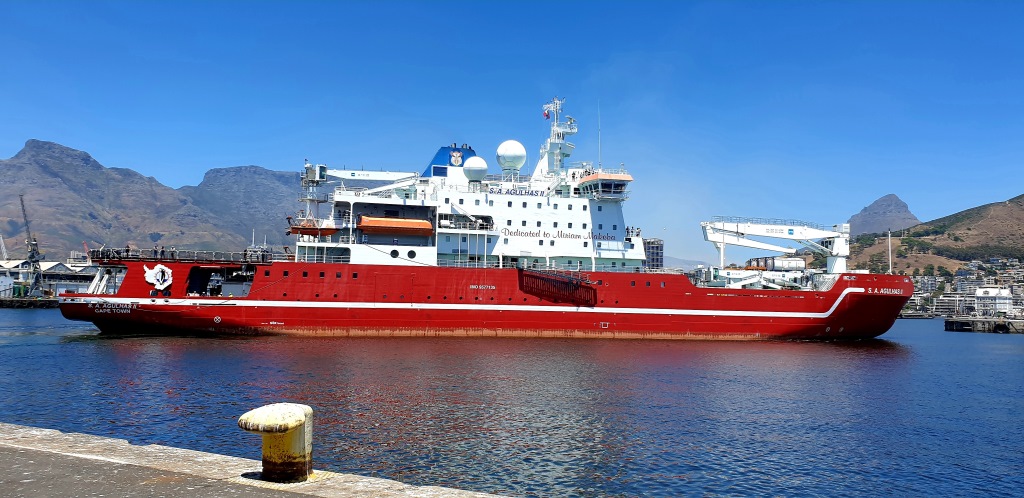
305,274
448,200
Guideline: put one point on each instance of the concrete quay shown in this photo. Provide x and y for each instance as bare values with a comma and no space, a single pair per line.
46,462
984,324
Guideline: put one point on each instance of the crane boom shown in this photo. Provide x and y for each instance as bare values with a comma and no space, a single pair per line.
835,243
32,246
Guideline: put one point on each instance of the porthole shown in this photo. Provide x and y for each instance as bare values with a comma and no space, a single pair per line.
394,253
412,254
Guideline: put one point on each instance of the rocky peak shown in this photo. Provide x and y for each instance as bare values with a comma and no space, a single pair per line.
889,212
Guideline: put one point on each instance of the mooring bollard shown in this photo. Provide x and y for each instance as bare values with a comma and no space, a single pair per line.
287,430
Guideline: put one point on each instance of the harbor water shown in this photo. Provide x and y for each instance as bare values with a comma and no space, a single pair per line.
920,412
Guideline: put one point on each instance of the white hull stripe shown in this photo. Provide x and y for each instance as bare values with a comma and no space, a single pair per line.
227,303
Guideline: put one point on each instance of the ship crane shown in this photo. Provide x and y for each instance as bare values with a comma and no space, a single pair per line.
32,245
834,244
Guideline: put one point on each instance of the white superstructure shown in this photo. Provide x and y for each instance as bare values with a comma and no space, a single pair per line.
460,212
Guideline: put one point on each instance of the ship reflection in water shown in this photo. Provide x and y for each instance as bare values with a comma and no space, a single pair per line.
559,417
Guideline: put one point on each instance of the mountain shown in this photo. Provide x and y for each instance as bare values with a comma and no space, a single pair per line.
886,213
993,230
71,198
251,198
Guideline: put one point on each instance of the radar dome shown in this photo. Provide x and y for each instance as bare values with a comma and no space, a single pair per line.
511,155
475,168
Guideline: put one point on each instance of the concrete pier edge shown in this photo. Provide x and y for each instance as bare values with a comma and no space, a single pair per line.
72,447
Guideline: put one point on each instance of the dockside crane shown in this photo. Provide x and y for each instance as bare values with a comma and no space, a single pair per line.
32,245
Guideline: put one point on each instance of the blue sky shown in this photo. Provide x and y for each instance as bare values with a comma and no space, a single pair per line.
788,109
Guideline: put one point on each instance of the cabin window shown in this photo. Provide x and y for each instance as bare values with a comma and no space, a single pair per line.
524,223
285,273
600,208
305,274
266,273
538,223
585,243
355,274
648,284
556,206
570,224
584,207
447,200
600,226
632,283
598,244
555,224
488,240
337,275
509,203
476,202
584,226
490,203
524,204
663,285
321,274
539,205
447,238
540,242
461,202
394,253
613,263
552,243
506,240
412,254
463,238
509,223
615,227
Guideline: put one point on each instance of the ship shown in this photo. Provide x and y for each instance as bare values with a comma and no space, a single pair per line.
463,250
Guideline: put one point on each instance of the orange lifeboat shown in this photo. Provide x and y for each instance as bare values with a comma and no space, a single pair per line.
401,226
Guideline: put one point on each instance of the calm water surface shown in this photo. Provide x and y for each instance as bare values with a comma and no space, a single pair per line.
923,412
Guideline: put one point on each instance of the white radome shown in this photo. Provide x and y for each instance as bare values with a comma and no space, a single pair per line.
511,155
475,168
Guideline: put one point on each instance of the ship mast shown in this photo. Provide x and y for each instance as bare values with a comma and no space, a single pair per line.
556,149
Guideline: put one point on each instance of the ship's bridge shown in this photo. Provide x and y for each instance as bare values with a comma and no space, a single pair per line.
604,184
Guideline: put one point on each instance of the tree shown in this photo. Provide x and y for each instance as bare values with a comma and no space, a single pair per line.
929,270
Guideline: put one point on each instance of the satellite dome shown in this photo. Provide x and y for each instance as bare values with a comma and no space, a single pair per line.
511,155
475,168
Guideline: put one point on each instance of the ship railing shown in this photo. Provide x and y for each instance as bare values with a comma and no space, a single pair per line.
318,258
467,225
246,256
767,221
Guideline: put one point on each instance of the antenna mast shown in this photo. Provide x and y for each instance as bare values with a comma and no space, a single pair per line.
598,133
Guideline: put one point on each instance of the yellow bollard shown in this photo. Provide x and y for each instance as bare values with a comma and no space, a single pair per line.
287,430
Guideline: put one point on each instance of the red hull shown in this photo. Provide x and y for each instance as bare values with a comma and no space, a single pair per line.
296,298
